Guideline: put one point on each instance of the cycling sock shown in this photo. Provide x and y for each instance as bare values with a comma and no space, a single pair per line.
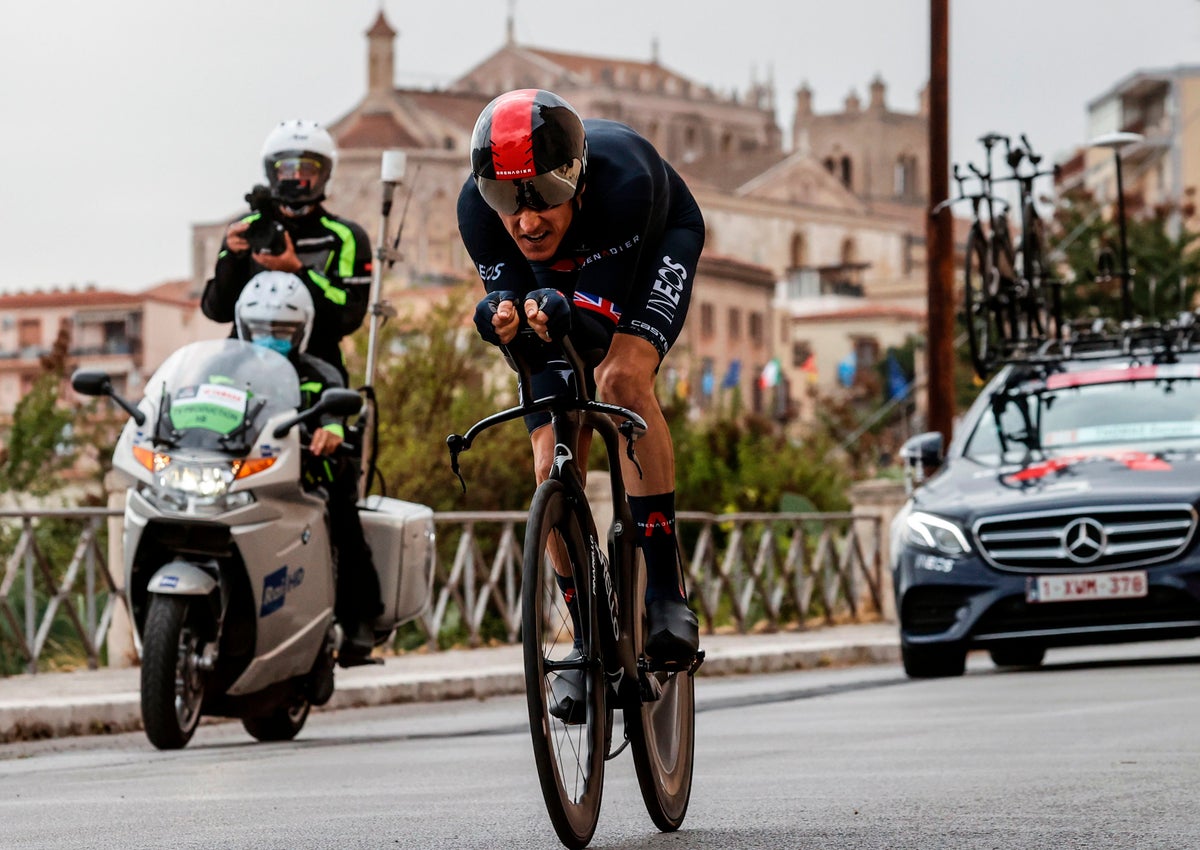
567,585
654,519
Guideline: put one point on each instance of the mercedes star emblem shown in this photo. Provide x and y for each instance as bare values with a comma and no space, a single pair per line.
1085,540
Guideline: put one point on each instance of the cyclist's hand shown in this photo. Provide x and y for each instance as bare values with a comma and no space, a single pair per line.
496,317
549,314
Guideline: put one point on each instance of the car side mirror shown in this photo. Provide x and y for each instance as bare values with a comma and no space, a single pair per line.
922,456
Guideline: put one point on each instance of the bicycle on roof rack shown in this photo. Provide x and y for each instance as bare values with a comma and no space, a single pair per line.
1006,310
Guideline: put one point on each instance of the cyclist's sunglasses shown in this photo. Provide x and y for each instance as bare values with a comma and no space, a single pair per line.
538,193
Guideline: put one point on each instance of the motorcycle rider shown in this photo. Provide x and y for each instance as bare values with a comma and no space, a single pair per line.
615,265
275,310
332,255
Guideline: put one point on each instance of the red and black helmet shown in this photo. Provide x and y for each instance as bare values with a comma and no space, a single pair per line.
528,150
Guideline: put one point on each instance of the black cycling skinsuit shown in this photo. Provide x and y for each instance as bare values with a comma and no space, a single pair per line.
628,260
358,594
336,254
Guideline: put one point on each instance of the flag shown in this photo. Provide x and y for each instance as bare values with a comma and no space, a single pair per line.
846,369
733,375
706,380
810,368
769,376
896,379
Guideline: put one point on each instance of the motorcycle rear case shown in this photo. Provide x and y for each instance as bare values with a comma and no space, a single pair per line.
401,538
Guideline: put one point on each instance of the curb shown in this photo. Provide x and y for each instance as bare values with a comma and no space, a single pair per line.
55,717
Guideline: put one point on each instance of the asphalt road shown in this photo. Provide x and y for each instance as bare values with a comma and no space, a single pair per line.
1096,750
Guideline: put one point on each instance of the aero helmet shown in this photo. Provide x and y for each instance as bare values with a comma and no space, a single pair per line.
528,150
275,310
298,157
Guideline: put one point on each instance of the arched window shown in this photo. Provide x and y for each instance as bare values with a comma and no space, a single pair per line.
906,176
847,173
799,251
849,251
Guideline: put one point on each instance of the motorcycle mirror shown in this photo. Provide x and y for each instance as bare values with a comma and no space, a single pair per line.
88,382
338,401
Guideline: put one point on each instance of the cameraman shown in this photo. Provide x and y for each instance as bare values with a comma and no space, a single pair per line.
290,231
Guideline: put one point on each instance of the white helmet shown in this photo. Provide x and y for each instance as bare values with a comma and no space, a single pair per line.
275,310
298,157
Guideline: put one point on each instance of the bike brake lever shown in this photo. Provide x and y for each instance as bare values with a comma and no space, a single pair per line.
628,430
455,444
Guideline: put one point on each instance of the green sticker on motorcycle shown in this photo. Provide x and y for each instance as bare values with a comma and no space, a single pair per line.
208,406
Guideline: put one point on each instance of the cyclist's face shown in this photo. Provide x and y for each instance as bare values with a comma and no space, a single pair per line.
539,233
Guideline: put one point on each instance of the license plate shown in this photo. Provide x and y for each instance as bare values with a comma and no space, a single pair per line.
1069,588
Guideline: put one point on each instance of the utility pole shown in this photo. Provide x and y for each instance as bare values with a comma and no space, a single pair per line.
939,231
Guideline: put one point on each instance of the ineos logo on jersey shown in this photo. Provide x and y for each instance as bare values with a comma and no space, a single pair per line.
667,288
487,273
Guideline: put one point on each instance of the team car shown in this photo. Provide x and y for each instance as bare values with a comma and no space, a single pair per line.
1062,513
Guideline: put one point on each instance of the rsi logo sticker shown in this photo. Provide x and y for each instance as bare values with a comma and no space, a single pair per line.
276,586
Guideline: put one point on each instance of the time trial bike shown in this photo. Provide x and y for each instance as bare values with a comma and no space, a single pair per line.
657,705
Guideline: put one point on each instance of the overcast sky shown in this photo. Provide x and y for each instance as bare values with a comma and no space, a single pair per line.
126,121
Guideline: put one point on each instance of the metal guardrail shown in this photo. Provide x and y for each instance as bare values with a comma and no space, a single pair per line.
746,571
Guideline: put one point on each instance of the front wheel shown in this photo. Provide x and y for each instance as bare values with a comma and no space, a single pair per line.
933,661
172,683
569,751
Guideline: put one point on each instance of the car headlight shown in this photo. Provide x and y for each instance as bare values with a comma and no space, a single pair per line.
933,532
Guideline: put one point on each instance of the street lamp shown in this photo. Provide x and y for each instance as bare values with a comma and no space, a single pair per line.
1117,142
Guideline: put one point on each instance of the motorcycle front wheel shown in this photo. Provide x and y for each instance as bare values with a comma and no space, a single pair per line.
172,683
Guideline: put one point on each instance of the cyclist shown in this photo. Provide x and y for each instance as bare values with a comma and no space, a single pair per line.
581,225
332,255
275,310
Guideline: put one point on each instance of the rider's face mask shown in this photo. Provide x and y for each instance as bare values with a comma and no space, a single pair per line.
280,346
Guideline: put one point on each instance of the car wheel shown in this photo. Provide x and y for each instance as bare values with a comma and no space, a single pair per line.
933,661
1018,656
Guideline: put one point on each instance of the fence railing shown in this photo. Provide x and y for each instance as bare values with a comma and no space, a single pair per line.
746,571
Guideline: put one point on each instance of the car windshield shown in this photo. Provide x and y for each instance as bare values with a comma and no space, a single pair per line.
219,394
1142,408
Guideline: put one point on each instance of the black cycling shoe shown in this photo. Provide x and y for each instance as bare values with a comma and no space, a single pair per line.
673,632
568,693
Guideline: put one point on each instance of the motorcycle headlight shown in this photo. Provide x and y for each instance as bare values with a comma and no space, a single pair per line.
934,532
188,486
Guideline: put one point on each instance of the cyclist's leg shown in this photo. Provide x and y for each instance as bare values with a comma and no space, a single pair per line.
626,377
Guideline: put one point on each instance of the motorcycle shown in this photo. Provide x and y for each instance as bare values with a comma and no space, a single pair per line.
229,571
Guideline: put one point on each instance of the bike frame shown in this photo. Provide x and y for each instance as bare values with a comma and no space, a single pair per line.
570,414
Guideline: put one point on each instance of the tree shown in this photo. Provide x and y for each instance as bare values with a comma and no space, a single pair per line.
436,377
1165,267
40,442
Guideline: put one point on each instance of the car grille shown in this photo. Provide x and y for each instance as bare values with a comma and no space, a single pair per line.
1085,539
